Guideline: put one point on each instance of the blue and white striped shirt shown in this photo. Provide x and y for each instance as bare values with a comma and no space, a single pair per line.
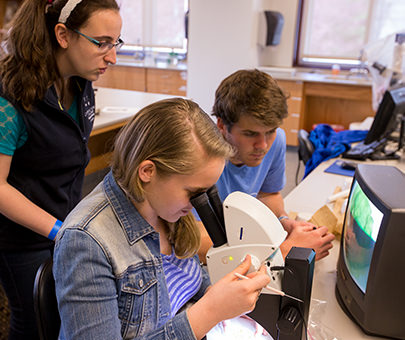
183,279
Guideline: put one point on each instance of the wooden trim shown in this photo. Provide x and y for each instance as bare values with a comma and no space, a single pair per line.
298,28
108,128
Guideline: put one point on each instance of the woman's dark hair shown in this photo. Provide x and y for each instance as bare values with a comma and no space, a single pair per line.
29,66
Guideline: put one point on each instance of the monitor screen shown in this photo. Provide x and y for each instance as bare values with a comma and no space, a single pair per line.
385,119
363,220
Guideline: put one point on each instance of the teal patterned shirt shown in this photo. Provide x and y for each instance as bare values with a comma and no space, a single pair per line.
13,133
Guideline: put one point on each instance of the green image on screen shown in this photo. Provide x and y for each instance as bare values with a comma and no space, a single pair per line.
362,224
361,210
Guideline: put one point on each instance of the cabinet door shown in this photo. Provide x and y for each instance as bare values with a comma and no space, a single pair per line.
123,77
166,81
291,125
340,104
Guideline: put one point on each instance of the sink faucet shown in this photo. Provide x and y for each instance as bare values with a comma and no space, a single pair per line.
140,55
361,70
358,72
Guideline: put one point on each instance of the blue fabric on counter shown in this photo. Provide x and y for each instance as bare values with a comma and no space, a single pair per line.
329,144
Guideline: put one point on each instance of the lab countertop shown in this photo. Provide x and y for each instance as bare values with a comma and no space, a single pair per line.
294,74
124,60
309,75
115,106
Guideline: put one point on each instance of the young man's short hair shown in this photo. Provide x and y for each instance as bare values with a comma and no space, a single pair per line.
251,92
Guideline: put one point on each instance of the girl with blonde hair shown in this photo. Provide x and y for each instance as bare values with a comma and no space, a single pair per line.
135,240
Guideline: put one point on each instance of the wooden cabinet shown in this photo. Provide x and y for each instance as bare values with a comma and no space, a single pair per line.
100,145
123,78
166,81
340,104
291,125
153,80
313,102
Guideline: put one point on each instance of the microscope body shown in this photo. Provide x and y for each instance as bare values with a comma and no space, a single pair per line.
243,225
251,228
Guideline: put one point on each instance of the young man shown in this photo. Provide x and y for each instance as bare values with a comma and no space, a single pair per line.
250,107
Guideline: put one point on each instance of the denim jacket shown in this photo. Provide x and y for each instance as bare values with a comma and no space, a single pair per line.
109,277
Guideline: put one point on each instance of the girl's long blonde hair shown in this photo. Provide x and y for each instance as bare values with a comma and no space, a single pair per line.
169,133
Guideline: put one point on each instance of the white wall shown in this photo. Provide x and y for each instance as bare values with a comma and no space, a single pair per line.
281,55
223,39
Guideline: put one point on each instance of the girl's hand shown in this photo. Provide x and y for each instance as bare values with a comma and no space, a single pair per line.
228,298
232,297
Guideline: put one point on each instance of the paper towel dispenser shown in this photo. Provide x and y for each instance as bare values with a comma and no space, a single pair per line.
270,27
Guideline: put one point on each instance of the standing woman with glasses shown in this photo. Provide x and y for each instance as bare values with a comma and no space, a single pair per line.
55,49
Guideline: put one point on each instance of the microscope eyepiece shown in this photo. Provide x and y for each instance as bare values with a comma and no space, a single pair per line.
210,219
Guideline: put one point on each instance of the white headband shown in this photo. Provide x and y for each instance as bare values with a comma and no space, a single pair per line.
67,9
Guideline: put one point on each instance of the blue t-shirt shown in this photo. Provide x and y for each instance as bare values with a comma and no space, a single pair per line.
268,176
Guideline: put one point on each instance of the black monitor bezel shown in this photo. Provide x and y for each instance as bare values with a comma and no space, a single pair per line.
381,293
371,195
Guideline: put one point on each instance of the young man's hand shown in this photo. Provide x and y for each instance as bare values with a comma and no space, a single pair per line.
306,235
289,224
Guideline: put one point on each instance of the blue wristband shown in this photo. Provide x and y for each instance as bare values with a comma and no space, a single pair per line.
55,230
283,218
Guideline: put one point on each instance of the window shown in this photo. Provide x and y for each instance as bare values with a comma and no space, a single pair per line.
154,23
335,31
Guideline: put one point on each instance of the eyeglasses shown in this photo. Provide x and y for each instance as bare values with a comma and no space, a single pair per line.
102,45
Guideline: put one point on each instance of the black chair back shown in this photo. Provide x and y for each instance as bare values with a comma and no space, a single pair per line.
45,304
305,150
305,146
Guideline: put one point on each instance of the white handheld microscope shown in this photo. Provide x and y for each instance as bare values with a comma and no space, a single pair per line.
243,225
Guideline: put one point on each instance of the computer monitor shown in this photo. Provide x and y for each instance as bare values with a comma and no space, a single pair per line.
385,120
371,266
